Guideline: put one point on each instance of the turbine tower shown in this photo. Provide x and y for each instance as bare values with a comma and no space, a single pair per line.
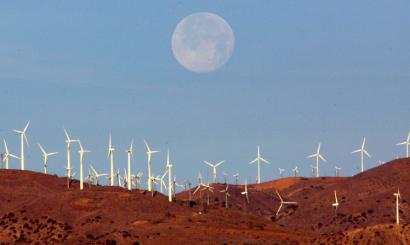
169,170
318,157
111,156
214,166
68,141
81,152
397,195
45,157
149,155
22,138
406,143
129,154
258,160
336,203
7,154
362,152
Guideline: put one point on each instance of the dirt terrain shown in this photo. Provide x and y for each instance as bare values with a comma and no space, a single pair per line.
38,208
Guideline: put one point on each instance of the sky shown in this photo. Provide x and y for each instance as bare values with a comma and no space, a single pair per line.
302,72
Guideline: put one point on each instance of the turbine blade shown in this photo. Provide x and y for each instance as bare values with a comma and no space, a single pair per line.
256,159
25,128
209,164
313,155
66,135
219,163
263,160
365,152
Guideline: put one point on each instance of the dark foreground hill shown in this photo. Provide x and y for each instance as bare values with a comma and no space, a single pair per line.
39,208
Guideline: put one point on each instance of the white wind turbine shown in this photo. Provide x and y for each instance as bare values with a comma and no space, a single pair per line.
318,157
129,154
281,170
313,169
362,152
7,154
397,195
406,143
283,202
68,142
22,138
169,170
337,170
245,192
138,180
111,156
96,174
295,171
226,195
236,176
82,151
149,155
45,157
258,160
214,166
336,203
199,178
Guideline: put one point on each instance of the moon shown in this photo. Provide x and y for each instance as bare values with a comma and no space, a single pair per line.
203,42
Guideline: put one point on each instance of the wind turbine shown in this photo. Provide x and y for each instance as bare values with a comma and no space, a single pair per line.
226,195
22,138
281,170
169,170
68,142
236,176
406,143
362,152
283,202
225,177
214,166
258,160
149,154
336,203
45,157
245,192
337,171
295,171
199,178
111,156
138,180
118,177
129,154
96,174
318,157
7,154
313,169
397,195
82,151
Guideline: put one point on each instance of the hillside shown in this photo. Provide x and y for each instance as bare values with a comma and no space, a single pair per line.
38,207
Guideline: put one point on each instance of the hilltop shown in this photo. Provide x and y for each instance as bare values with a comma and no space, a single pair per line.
39,207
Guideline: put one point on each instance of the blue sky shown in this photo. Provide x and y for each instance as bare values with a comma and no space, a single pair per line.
301,73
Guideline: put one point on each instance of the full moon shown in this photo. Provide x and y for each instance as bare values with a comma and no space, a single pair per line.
203,42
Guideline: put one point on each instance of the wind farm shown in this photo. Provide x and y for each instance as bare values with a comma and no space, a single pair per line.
208,122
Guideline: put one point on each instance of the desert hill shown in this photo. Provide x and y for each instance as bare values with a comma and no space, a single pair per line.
39,207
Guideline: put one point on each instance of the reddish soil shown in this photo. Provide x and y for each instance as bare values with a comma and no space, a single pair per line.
39,208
